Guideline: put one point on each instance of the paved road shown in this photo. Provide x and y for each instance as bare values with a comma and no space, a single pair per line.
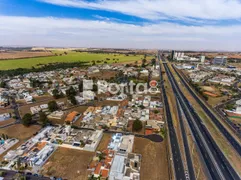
185,142
218,165
176,154
218,124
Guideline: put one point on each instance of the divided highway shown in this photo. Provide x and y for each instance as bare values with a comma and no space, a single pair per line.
176,154
222,129
185,143
216,162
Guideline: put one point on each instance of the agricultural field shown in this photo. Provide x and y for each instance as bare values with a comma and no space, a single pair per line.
23,54
71,56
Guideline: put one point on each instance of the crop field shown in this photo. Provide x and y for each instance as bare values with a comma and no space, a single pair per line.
71,56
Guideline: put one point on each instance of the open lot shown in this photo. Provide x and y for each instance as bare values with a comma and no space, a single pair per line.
213,101
68,163
154,159
103,75
23,54
19,131
70,57
104,142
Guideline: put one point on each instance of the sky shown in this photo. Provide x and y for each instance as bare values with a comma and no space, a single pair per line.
145,24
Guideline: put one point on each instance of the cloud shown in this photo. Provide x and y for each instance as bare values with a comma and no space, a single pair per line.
162,9
49,31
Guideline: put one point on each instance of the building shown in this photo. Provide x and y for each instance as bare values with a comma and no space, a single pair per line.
238,102
125,167
7,144
220,60
56,115
172,54
202,58
126,144
5,116
72,117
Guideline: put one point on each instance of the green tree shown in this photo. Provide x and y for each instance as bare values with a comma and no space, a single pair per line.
52,106
81,86
153,61
71,92
2,173
72,100
27,119
43,119
137,125
3,84
56,94
95,87
143,62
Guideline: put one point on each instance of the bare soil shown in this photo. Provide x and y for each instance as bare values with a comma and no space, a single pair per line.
154,165
68,163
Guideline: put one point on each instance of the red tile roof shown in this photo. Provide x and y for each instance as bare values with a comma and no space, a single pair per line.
105,173
97,169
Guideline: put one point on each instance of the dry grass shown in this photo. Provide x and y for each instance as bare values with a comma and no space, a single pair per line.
23,54
104,75
104,142
19,131
213,101
68,163
154,159
6,122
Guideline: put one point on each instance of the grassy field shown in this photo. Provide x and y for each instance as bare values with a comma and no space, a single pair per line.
70,57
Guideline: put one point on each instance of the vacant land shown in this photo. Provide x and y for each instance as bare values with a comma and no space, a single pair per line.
69,164
213,101
104,142
6,122
23,54
154,163
19,131
103,75
71,56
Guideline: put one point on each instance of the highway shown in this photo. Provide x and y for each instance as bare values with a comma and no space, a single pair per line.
219,125
216,162
185,142
176,154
